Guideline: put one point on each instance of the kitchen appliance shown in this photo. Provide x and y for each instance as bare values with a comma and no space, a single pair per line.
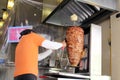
94,58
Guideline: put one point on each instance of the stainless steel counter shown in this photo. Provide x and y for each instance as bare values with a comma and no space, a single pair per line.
59,74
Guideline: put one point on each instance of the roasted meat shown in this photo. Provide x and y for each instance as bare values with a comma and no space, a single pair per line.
75,44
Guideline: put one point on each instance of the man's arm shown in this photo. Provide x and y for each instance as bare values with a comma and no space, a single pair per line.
52,45
43,55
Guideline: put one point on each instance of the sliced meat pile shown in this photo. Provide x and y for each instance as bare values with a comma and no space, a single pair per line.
75,44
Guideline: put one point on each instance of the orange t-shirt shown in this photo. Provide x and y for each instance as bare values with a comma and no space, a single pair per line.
26,54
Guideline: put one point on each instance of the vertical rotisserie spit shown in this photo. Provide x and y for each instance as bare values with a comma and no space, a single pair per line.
75,44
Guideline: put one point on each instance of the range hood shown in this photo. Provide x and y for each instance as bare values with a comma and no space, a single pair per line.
88,11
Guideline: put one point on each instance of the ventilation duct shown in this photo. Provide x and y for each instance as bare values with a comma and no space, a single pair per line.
87,12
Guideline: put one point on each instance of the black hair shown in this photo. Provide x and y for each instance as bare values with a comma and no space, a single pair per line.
25,32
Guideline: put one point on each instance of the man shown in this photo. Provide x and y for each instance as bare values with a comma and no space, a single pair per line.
26,54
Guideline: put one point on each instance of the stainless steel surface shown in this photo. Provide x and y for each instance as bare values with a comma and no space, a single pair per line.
67,75
108,4
88,11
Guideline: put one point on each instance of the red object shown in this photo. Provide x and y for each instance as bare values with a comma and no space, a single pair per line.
42,76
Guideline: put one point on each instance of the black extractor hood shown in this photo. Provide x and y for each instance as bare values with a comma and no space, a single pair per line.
88,11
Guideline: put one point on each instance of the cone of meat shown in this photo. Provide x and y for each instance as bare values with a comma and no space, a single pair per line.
75,43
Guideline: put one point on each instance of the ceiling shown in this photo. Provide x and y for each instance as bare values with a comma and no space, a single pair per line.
3,5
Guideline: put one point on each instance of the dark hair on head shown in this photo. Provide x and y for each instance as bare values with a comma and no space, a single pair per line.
25,32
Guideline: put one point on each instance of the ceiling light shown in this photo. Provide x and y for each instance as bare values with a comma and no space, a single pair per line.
5,15
1,23
10,4
35,14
